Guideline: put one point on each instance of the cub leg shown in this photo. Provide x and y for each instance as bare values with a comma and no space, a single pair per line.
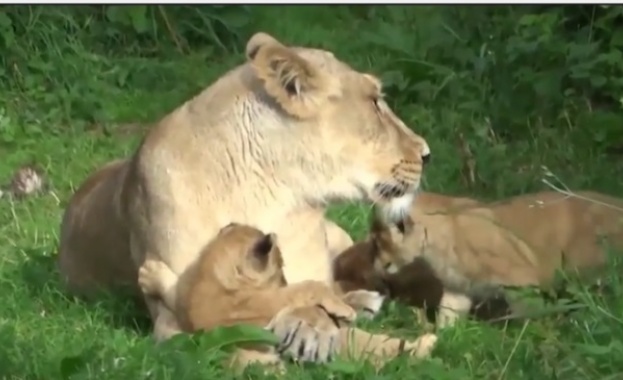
338,240
452,307
367,303
165,324
156,279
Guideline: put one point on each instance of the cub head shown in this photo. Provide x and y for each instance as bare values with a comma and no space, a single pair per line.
354,269
328,129
395,244
244,257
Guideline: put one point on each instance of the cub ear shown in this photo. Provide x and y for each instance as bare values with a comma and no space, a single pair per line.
297,85
264,245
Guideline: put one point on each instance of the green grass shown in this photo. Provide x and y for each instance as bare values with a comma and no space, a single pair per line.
67,119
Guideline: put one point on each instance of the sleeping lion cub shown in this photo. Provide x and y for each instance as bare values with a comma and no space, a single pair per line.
476,248
239,278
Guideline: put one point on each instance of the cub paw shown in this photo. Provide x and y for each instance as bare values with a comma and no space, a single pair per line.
367,303
307,334
149,275
446,317
423,346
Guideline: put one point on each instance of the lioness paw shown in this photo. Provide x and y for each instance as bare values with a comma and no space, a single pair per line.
306,334
422,346
150,276
366,302
338,309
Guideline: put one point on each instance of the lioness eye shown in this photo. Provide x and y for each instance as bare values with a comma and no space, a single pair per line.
376,103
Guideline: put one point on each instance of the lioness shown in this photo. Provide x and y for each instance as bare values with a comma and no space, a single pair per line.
521,241
238,278
270,144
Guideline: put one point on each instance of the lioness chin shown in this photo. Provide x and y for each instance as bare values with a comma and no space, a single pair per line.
523,241
271,144
239,278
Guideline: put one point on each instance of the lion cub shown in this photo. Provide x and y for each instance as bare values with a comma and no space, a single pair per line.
521,241
238,278
414,284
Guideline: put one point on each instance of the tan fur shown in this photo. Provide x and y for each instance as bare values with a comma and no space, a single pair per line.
240,273
270,144
94,250
414,284
522,241
338,239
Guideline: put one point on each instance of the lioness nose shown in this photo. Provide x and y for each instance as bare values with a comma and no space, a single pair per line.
425,158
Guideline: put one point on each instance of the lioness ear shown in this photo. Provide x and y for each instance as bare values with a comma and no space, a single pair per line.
298,86
264,245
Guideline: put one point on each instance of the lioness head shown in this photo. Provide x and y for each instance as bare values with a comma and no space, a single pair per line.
245,257
332,122
395,245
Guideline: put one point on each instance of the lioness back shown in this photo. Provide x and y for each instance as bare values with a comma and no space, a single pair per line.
94,251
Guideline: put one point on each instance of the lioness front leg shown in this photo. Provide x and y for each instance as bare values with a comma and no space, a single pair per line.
311,336
312,333
155,278
379,348
452,307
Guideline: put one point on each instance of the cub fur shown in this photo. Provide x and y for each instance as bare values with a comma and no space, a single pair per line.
271,143
414,284
239,278
521,241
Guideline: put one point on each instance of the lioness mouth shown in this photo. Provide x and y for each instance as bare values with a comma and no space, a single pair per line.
389,191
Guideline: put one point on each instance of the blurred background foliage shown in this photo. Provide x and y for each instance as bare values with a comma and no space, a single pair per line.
479,77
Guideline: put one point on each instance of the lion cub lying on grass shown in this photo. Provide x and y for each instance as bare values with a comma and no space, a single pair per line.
414,284
238,278
522,241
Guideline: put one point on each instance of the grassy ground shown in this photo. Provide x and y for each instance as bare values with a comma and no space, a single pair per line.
68,117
